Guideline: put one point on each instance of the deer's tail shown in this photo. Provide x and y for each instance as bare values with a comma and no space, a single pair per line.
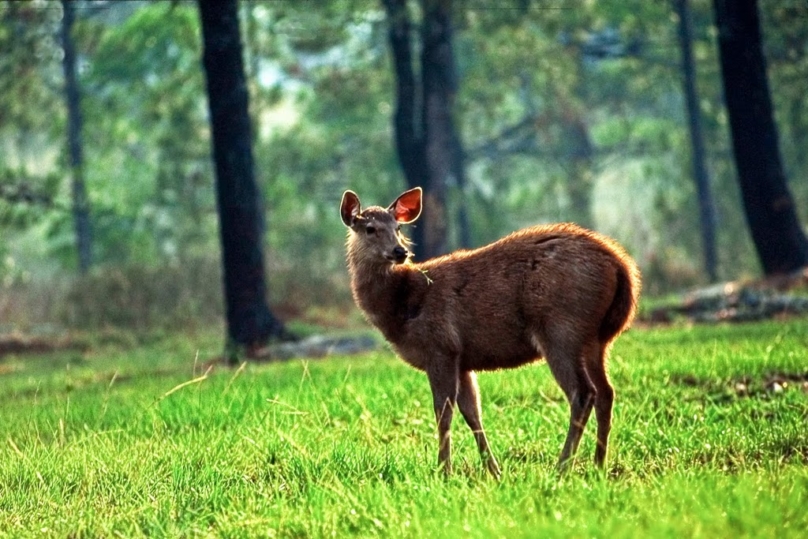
624,305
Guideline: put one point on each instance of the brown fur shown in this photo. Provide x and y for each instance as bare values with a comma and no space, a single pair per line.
558,292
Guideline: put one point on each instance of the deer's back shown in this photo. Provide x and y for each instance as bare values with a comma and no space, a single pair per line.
493,303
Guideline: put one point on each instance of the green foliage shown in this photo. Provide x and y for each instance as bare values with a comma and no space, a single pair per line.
31,70
147,441
146,76
594,89
145,135
30,116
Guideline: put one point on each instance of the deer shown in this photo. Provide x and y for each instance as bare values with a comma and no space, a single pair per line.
556,292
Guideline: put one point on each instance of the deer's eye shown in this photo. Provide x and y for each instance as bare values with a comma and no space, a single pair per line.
370,230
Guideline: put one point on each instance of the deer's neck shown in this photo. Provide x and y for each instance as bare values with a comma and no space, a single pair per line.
390,296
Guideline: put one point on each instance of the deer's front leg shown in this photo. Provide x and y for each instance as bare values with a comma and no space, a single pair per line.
443,379
468,400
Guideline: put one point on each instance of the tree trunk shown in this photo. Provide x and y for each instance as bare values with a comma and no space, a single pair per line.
250,323
428,145
406,119
81,209
439,86
700,174
776,231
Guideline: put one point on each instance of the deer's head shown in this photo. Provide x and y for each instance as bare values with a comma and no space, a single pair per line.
376,232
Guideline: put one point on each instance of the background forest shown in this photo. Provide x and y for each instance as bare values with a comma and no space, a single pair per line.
570,110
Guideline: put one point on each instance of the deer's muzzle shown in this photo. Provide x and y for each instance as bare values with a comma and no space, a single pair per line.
399,255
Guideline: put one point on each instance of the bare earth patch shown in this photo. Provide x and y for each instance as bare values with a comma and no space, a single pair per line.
17,344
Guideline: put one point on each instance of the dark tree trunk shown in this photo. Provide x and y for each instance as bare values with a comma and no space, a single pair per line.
250,323
700,174
776,231
439,86
406,119
428,145
81,207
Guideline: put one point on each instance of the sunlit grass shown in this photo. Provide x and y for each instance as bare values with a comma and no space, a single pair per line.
150,442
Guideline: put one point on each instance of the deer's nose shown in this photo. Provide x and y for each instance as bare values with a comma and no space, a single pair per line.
399,253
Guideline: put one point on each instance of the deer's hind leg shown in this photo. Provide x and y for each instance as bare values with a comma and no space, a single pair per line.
468,400
595,360
566,362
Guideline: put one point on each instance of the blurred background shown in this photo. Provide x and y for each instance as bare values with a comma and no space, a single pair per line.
566,110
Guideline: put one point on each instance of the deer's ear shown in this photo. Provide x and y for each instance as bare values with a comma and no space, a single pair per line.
349,208
407,207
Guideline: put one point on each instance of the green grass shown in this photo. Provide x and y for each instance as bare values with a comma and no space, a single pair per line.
110,443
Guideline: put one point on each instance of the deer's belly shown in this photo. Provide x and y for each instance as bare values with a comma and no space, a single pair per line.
491,360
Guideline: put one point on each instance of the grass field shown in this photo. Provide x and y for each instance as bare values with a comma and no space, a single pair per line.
710,440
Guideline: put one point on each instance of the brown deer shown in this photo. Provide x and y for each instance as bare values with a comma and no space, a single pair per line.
558,292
